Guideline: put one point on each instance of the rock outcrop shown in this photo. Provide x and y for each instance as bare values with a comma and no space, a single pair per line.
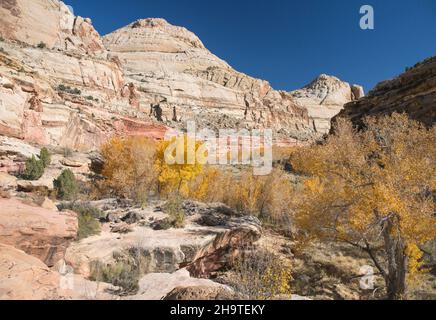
202,248
324,98
24,277
413,92
42,233
48,23
158,286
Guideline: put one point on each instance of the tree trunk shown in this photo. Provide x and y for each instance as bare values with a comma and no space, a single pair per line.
397,263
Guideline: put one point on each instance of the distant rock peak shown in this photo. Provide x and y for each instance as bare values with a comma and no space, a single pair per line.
149,23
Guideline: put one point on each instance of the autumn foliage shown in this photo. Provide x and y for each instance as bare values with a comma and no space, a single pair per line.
129,167
372,189
137,168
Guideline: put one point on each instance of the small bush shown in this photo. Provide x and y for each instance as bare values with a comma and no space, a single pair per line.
83,208
66,185
45,157
88,217
89,98
174,209
34,169
125,273
76,91
120,274
88,226
42,45
2,39
261,275
68,89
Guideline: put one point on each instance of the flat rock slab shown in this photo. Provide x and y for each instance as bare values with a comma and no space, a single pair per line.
23,277
40,232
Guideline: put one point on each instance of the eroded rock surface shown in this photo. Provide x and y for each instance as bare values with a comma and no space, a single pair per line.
203,249
156,286
42,233
324,98
24,277
412,92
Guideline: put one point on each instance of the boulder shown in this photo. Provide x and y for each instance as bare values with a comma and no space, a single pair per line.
25,277
40,232
7,181
156,286
72,163
41,185
49,204
226,246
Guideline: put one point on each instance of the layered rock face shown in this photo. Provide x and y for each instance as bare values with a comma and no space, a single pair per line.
24,277
68,94
413,92
61,84
324,98
48,22
174,71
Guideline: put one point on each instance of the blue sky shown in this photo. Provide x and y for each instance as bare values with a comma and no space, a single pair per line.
290,42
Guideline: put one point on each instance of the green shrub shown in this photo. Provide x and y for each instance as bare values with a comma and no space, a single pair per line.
83,208
120,274
45,157
68,89
2,39
89,98
88,217
76,91
261,275
175,211
125,273
88,226
42,45
66,185
34,169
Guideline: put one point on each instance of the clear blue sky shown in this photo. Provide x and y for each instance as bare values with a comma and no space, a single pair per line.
290,42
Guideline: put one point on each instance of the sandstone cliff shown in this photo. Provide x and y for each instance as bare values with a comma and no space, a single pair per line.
324,98
48,22
178,79
413,92
61,84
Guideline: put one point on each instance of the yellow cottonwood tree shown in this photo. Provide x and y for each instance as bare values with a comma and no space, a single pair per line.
175,177
373,189
128,168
